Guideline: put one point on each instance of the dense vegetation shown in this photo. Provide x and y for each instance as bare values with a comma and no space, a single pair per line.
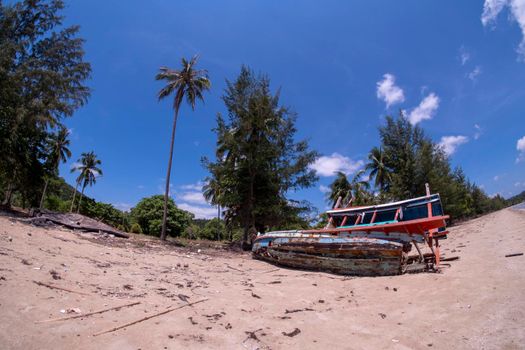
258,162
399,168
149,214
42,77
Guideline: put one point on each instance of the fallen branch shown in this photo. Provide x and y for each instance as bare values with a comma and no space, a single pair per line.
59,288
148,317
233,268
452,258
514,254
89,313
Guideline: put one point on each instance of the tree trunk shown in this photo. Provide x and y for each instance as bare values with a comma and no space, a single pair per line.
167,192
43,195
81,195
218,222
245,236
74,195
8,195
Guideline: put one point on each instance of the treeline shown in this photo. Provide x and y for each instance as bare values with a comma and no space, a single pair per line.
400,167
42,81
258,165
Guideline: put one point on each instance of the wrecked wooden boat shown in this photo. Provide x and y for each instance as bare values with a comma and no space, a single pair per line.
363,241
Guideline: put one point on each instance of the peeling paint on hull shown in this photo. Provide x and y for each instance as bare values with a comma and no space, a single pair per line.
341,255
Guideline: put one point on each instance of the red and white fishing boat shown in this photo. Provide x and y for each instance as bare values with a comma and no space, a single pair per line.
368,241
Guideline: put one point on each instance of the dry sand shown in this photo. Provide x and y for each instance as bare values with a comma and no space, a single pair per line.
478,302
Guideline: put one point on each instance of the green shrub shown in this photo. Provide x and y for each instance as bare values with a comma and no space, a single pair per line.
135,228
149,211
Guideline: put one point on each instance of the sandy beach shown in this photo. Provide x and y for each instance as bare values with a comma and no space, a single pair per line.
476,302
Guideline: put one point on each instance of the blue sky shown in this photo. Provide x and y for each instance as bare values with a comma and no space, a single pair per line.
455,68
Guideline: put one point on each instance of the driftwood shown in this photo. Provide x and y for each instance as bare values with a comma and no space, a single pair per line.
59,288
75,221
452,258
148,317
89,313
514,254
233,268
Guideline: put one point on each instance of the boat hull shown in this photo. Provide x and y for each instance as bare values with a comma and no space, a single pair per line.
359,256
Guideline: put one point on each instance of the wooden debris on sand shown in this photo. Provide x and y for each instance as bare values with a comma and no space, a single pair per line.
89,313
170,309
75,221
59,288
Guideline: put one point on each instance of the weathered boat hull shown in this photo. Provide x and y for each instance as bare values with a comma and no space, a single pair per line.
342,255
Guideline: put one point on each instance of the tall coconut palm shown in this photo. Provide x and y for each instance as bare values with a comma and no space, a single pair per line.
58,152
89,171
187,82
79,178
360,188
341,187
378,169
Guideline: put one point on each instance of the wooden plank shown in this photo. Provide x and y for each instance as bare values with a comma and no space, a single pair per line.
148,317
89,313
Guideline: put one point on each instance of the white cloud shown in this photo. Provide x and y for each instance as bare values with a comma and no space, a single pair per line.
200,212
388,91
496,178
122,206
329,165
192,197
478,132
491,10
449,144
520,146
474,74
426,109
324,189
464,55
195,187
519,184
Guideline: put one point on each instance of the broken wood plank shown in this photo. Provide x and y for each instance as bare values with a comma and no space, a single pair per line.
89,313
59,288
75,221
513,254
233,268
452,258
148,317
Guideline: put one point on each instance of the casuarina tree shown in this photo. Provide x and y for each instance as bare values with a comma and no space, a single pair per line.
258,161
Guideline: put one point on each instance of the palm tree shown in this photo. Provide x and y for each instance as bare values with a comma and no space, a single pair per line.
187,82
360,188
341,187
89,171
79,178
378,169
58,152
